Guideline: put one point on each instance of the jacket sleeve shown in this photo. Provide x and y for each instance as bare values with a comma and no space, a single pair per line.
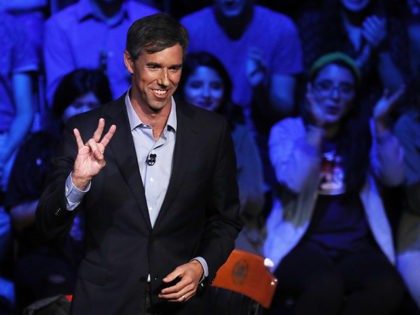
52,217
223,221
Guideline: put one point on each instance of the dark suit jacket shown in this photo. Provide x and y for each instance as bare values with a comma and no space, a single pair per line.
199,216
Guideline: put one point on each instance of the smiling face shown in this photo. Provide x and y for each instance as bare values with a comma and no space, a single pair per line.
334,90
355,5
155,78
204,88
231,8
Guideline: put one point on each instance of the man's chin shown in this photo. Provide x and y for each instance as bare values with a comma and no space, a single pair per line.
158,105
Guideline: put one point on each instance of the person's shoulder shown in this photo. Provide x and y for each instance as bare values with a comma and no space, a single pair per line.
64,16
197,16
200,116
407,121
6,18
137,9
268,16
8,28
289,123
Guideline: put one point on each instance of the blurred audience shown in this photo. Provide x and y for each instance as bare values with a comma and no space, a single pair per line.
407,129
205,83
368,31
411,9
31,15
88,34
328,232
261,51
259,48
46,269
18,62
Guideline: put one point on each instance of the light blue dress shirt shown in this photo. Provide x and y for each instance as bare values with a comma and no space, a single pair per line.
155,177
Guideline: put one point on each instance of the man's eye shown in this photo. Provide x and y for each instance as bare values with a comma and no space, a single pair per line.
175,69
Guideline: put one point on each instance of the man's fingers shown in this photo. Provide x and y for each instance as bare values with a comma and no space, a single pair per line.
108,135
96,148
98,132
93,146
79,140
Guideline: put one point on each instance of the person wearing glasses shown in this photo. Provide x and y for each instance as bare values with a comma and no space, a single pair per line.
328,233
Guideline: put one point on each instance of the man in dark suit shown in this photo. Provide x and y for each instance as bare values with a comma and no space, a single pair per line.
157,182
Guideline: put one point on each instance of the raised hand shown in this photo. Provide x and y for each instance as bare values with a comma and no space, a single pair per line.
315,131
374,30
90,156
384,106
317,113
386,103
256,68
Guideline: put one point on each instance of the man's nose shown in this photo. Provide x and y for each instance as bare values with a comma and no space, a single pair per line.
164,77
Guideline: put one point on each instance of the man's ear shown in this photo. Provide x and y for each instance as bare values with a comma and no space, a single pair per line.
129,62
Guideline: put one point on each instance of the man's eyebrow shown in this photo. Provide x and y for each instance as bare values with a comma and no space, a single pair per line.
158,65
153,64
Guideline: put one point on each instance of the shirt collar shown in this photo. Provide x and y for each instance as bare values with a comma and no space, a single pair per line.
85,11
135,121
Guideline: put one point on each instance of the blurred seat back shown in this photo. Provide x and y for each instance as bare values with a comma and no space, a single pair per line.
248,274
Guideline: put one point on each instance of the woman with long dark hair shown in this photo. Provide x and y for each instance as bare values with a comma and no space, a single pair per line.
206,83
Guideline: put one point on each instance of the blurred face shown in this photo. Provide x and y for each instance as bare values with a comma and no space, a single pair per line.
355,5
334,92
80,105
231,8
204,88
155,77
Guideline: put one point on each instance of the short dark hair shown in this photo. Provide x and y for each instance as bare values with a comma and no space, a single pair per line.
155,33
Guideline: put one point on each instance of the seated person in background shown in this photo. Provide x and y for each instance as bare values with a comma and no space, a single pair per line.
88,34
407,129
18,63
259,48
368,31
205,83
31,15
46,269
328,234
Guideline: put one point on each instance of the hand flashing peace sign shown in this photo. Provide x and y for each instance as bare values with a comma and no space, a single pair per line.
90,156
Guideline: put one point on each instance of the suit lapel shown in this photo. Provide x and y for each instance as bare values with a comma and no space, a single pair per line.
124,153
185,138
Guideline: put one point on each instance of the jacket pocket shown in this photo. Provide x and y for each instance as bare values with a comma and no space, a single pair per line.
93,273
